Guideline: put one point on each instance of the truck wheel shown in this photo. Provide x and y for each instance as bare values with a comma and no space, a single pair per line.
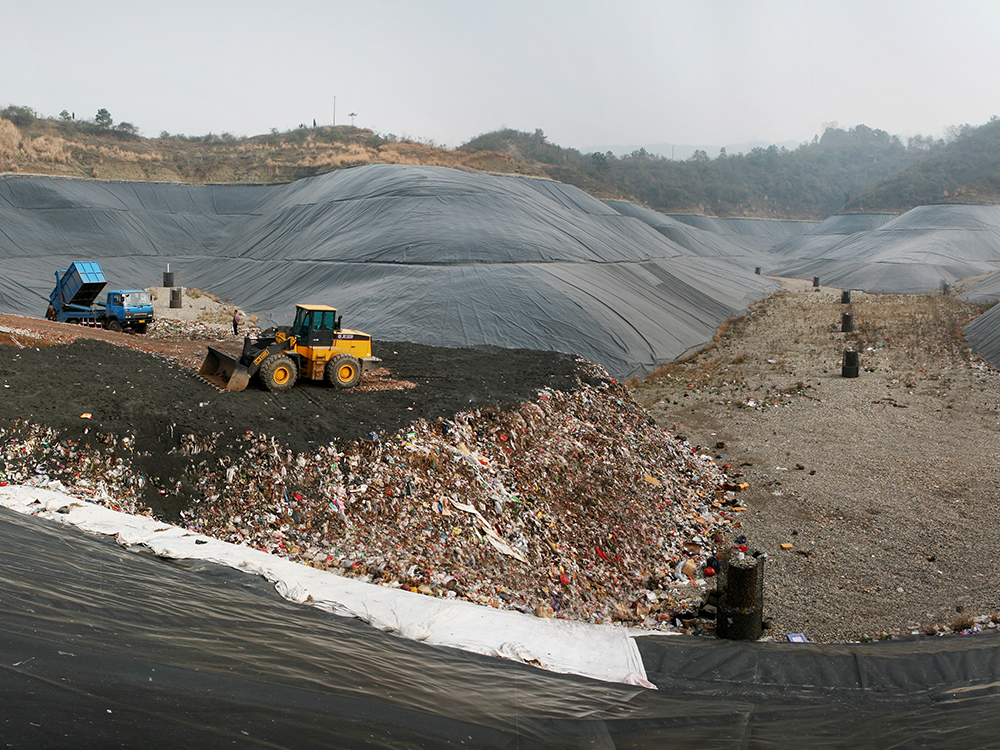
278,373
141,327
343,371
114,325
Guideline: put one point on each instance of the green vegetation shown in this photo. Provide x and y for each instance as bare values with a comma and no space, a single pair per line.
103,118
813,181
20,116
967,170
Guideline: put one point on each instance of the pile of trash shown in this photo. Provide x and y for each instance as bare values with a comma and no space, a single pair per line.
38,456
170,328
576,505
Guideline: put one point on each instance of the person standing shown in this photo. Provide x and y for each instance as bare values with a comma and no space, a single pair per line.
236,322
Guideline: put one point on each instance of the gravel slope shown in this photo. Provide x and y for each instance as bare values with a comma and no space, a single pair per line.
885,486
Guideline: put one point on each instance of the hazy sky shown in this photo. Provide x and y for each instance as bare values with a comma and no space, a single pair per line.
587,72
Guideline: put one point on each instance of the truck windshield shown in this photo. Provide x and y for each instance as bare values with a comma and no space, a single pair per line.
137,299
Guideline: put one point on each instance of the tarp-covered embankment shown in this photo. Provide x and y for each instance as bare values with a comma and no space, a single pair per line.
711,238
912,253
983,335
425,254
829,233
761,235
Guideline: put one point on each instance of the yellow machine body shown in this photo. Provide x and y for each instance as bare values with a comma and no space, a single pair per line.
314,341
318,338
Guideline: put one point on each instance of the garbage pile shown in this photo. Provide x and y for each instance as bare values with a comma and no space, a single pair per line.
38,456
170,328
575,506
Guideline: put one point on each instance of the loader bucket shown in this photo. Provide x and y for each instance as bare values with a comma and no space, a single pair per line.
223,371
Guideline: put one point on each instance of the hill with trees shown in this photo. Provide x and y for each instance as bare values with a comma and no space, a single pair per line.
813,181
857,169
967,170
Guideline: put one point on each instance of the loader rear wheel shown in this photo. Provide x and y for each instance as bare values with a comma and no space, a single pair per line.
278,373
343,371
114,325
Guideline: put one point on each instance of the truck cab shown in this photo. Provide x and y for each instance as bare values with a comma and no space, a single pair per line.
130,308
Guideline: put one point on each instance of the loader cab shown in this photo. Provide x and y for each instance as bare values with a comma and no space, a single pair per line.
315,325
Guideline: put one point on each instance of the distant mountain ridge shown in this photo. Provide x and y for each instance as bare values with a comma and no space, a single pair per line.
683,151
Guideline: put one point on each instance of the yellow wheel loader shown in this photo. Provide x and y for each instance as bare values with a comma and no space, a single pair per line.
314,347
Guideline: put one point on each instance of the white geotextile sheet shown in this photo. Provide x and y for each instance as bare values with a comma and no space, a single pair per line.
598,651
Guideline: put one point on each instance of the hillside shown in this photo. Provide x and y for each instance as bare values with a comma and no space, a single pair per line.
810,182
967,170
72,148
857,169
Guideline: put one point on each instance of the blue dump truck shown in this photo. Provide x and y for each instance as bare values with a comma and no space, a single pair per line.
74,300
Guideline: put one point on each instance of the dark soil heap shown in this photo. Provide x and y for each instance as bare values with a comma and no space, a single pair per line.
127,393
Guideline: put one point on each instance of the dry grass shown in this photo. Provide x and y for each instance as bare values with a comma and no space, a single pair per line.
339,156
931,323
961,621
698,359
49,149
196,293
119,154
10,142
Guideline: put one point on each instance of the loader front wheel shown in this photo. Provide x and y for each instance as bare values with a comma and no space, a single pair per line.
343,371
278,373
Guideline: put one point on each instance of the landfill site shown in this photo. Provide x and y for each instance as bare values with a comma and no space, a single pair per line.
484,460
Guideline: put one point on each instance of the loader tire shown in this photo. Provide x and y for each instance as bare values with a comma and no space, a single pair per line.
278,373
343,371
114,325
